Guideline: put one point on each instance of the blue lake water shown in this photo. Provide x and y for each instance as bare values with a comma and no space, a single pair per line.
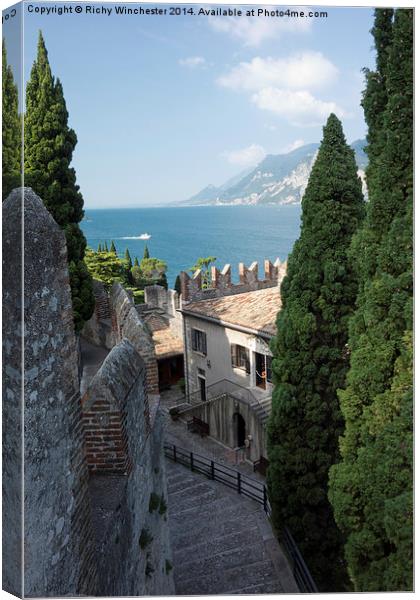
180,235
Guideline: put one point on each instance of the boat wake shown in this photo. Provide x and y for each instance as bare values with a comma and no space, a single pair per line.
143,236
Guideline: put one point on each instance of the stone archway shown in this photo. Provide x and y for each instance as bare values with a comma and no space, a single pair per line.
239,430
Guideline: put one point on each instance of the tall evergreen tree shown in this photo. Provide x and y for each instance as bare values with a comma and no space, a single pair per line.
310,359
178,284
106,247
49,145
99,247
371,489
136,262
127,259
11,130
146,253
113,248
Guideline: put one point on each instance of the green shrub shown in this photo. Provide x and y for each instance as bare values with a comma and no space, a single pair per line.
145,538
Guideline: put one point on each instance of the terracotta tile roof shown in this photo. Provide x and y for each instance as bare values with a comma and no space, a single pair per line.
256,310
167,344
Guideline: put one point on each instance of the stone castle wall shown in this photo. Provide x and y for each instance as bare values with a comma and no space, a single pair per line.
128,443
221,281
67,510
59,550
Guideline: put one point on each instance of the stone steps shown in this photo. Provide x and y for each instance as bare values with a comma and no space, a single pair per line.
219,539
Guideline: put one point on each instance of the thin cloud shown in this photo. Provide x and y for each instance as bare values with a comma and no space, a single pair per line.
252,31
299,107
192,62
293,146
307,70
245,157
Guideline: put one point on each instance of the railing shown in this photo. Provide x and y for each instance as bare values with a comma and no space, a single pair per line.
221,388
251,488
300,570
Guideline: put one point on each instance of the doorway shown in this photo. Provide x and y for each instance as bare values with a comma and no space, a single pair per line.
239,430
260,371
202,384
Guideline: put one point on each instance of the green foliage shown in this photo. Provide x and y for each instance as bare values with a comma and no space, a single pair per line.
177,286
99,247
105,266
136,262
49,145
204,265
11,130
127,258
168,566
151,271
146,253
154,502
145,538
113,248
310,359
371,488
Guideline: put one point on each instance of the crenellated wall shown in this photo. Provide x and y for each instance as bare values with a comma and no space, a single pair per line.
221,281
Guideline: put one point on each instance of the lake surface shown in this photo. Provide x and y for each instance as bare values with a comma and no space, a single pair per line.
179,236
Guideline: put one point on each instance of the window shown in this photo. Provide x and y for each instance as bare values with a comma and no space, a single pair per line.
199,341
240,357
269,373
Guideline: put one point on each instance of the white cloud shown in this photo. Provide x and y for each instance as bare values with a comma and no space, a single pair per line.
252,31
192,62
299,107
246,157
307,70
293,146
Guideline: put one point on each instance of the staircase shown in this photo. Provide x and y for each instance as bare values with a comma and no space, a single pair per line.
262,409
220,390
222,542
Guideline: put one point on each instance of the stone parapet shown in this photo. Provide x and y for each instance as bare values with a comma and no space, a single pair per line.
221,281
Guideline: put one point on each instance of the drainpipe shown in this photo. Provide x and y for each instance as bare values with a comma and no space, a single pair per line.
187,379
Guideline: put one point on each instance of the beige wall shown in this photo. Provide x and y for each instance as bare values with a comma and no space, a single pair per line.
217,364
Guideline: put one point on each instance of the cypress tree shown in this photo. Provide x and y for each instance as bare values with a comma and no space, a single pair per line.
371,488
99,247
49,145
113,248
136,262
11,130
146,253
310,359
106,247
127,259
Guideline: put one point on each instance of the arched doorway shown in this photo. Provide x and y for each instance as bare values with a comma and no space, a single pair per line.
239,430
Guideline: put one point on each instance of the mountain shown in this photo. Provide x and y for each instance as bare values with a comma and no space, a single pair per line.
277,179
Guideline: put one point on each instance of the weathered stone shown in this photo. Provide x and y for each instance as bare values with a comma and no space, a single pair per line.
55,472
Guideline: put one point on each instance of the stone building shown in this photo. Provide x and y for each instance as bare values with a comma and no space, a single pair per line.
227,328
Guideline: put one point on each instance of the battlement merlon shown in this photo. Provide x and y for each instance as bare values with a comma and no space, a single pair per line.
221,281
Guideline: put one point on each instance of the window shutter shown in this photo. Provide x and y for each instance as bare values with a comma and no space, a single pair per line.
233,354
248,364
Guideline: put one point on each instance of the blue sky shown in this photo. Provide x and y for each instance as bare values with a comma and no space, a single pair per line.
164,105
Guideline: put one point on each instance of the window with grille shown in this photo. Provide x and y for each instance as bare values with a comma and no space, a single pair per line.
268,360
240,357
199,341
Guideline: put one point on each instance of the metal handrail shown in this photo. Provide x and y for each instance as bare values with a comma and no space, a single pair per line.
246,486
216,390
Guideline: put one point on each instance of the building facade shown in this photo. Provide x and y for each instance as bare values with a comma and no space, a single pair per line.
227,330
